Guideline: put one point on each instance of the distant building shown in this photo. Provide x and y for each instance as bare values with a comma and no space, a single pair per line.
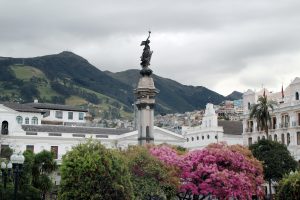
212,131
285,122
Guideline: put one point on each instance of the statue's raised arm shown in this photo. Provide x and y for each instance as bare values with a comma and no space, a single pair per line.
147,53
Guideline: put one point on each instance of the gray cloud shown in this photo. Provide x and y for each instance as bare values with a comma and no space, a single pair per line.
223,45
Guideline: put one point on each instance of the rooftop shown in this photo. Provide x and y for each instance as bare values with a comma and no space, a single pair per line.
231,127
75,129
50,106
21,107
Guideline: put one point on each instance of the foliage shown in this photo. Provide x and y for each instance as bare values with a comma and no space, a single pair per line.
276,158
6,152
150,177
90,171
260,112
219,170
25,193
289,187
43,165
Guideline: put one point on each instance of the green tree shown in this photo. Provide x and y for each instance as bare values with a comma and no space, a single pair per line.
260,112
289,187
151,178
276,158
90,171
43,165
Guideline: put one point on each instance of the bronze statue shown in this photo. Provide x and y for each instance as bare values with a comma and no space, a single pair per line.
147,53
146,57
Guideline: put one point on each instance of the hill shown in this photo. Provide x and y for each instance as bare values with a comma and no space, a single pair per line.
235,95
173,96
69,78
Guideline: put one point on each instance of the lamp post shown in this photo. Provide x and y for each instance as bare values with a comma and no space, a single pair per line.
6,170
17,161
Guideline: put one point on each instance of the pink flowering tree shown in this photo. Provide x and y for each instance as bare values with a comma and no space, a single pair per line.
219,171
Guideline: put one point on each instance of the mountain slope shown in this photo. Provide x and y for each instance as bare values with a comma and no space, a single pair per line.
173,95
69,78
235,95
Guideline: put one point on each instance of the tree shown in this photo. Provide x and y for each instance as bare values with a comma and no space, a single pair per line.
289,187
90,171
43,165
276,158
260,112
151,178
217,170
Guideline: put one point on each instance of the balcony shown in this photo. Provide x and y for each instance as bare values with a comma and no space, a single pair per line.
249,130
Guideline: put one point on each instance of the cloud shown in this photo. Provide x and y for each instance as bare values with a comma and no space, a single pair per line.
224,45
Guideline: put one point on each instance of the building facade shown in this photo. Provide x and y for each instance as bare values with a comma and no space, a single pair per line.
285,118
212,130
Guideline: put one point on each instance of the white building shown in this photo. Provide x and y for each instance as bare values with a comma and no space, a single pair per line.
212,131
285,123
61,138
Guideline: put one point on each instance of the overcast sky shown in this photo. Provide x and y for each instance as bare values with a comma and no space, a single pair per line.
224,45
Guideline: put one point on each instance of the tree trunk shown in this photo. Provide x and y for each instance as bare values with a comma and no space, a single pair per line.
270,189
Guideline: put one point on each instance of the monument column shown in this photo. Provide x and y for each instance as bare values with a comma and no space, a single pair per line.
145,97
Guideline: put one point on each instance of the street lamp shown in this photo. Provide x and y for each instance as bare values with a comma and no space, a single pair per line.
17,161
6,170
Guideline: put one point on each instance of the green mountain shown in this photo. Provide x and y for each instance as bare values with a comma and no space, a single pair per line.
234,95
173,96
69,78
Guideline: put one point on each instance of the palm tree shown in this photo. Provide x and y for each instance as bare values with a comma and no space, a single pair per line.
260,112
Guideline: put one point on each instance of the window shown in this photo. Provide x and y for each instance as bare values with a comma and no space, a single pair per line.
187,139
54,149
249,141
4,150
80,116
147,133
70,115
197,137
249,106
275,137
298,138
34,121
270,137
59,114
258,138
282,138
192,138
263,137
216,137
288,139
202,137
30,148
297,96
19,120
4,128
298,119
273,122
26,120
207,136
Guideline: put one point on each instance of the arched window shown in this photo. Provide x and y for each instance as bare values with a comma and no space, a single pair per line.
263,137
26,120
258,138
19,120
207,136
288,139
197,137
270,137
192,138
187,139
249,141
4,128
275,137
202,137
282,138
249,105
297,96
34,120
216,137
